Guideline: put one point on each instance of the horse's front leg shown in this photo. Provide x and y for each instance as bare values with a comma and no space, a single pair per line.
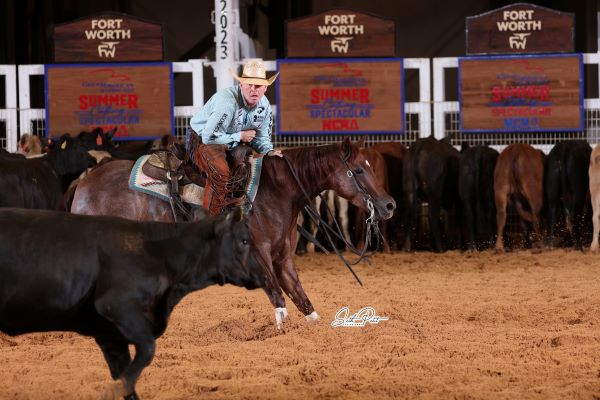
273,289
288,279
275,296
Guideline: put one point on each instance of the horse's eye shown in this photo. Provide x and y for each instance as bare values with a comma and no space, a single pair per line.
359,170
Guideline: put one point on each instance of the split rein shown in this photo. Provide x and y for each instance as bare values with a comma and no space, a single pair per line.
328,230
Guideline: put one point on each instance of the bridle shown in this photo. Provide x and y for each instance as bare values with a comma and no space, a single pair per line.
328,230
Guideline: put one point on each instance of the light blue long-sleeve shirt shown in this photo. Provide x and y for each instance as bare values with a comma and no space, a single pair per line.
226,115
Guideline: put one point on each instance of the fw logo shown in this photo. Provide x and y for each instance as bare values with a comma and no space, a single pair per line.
518,40
340,44
107,49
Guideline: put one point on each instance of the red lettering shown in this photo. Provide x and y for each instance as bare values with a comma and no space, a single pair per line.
340,125
349,95
496,97
83,105
364,95
536,92
132,100
118,100
314,96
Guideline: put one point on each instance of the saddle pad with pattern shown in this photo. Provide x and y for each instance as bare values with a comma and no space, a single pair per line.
253,181
190,193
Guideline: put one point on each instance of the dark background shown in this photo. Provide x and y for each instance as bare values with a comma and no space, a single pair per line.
424,28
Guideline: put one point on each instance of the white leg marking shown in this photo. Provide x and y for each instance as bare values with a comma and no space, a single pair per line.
280,314
313,316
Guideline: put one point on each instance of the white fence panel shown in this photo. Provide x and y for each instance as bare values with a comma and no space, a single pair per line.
8,114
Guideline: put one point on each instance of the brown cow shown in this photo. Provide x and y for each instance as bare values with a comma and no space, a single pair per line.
519,179
594,172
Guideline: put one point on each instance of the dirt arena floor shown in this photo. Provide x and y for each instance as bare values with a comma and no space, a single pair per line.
465,326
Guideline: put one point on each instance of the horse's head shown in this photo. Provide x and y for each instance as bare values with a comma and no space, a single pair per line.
355,180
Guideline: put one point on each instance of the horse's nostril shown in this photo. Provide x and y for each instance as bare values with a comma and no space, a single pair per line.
391,206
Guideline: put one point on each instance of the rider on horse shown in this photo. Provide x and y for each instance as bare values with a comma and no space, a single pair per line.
231,116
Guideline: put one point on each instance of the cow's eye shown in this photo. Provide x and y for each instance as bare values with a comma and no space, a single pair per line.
359,170
245,241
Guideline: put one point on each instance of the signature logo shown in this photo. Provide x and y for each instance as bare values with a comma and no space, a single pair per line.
364,316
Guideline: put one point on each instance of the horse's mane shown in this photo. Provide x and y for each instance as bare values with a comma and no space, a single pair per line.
314,164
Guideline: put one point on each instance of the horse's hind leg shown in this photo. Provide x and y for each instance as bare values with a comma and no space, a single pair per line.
116,354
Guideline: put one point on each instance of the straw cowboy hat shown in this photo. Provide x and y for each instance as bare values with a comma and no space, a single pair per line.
254,73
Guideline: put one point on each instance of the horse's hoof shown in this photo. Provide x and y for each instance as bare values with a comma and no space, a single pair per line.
114,390
313,316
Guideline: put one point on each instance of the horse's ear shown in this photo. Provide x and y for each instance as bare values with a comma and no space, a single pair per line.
349,149
361,143
346,148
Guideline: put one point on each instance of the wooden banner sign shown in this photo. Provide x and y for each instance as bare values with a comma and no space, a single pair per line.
136,99
521,94
340,96
108,37
341,33
521,28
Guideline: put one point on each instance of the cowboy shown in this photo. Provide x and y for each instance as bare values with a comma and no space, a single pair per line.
238,114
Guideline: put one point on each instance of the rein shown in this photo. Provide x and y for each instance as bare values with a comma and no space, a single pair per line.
327,229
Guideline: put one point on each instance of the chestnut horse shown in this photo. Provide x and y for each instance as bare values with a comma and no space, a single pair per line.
286,185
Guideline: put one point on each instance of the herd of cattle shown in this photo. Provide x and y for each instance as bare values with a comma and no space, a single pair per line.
478,198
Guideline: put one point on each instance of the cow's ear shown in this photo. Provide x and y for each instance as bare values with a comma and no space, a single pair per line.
236,215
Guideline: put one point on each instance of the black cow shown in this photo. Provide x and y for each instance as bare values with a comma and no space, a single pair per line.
40,182
566,185
476,192
430,173
113,279
394,153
